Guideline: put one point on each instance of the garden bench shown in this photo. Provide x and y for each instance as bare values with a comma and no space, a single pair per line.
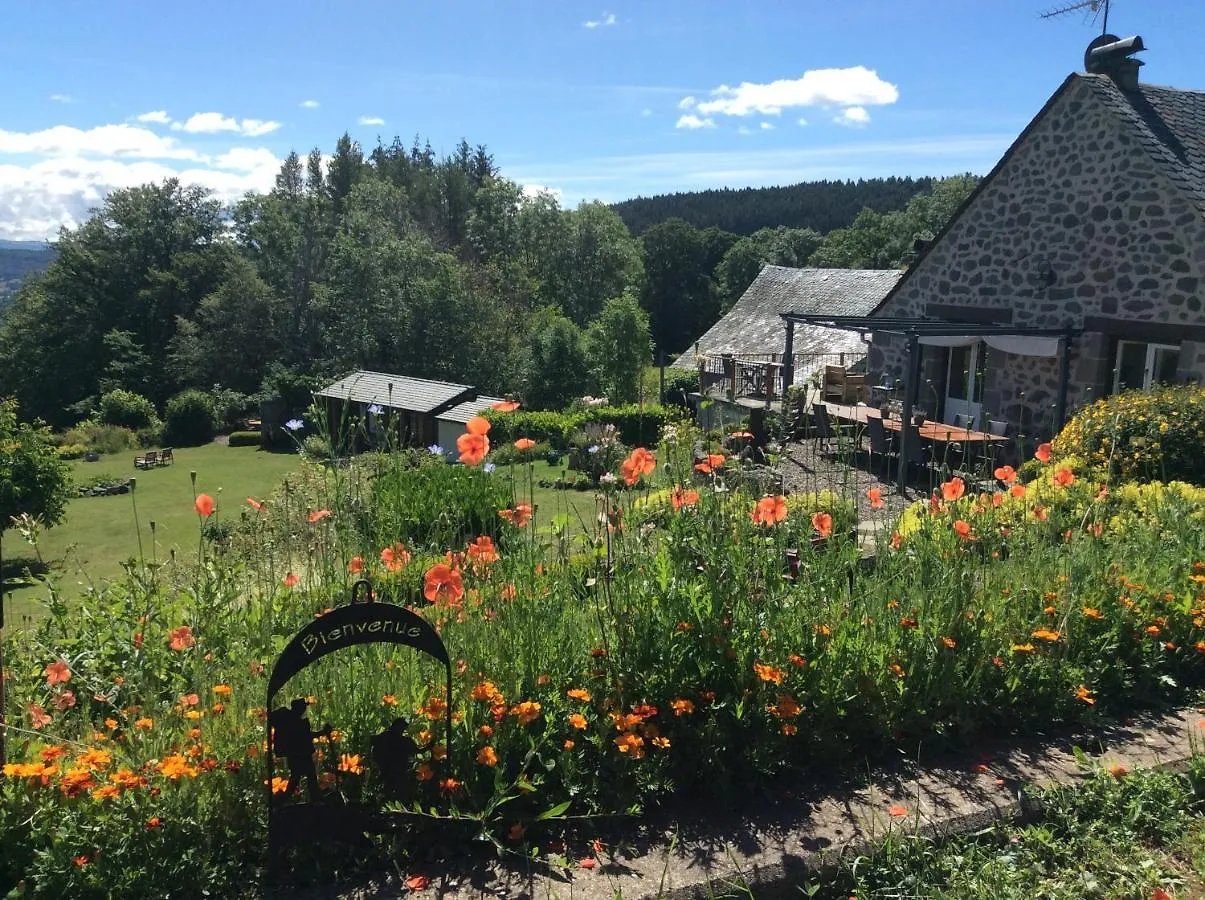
147,461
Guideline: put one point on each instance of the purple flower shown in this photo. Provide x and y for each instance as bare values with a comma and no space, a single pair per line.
488,468
294,424
376,409
435,450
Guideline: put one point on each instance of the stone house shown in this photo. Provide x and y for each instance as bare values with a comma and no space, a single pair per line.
1092,224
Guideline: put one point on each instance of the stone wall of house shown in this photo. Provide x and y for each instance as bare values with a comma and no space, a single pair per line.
1078,229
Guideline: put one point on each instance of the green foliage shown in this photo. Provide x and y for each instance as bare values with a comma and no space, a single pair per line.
679,385
1154,435
34,481
634,426
245,439
71,451
127,410
679,294
434,506
188,419
97,438
557,371
618,347
768,246
508,454
230,407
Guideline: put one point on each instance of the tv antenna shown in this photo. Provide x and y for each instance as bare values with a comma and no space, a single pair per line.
1093,7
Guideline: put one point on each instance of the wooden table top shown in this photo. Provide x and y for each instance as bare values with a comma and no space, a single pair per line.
931,431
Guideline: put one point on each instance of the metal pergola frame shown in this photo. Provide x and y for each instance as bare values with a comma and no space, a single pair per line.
914,329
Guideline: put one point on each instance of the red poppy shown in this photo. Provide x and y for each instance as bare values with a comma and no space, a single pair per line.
318,515
505,406
1042,454
418,882
711,463
524,444
1064,477
682,497
1017,490
1007,474
58,672
823,523
963,530
953,489
875,496
290,580
255,504
182,638
204,505
38,717
356,566
442,585
395,557
770,510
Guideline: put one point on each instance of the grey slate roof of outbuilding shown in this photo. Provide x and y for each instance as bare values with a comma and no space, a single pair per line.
396,391
754,324
1169,122
462,412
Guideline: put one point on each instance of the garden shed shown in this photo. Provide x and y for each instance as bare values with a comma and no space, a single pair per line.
411,406
450,423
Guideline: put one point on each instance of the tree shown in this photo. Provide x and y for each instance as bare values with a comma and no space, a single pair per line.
768,246
557,370
33,480
619,348
603,262
679,292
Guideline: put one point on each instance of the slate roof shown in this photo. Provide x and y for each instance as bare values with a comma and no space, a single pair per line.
462,412
1169,122
754,326
397,391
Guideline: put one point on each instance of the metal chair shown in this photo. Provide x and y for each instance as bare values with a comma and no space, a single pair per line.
881,443
918,453
825,429
961,420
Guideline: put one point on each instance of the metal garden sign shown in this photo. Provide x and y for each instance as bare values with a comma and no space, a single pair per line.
303,811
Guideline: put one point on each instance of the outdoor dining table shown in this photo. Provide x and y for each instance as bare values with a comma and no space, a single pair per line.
937,432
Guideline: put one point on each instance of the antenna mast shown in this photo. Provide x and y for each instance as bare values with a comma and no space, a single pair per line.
1093,6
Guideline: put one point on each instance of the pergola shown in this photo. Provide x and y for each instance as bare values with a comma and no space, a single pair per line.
1011,338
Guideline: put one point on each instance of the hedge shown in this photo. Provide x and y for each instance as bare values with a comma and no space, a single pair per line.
636,427
245,439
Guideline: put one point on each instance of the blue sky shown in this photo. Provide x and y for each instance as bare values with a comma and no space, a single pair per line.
598,99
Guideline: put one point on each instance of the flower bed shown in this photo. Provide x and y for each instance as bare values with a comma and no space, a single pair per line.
697,641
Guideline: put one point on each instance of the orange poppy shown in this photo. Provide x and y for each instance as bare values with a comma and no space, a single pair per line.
1017,490
770,510
487,756
524,444
58,672
473,446
1042,454
356,566
482,551
963,530
823,523
711,463
682,497
318,515
38,717
953,489
477,425
1040,513
1064,478
896,811
1007,474
519,516
442,585
290,580
639,462
395,557
505,406
875,496
204,505
255,504
182,638
418,882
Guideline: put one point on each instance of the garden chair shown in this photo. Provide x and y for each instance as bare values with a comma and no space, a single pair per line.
166,457
826,430
834,384
881,443
919,457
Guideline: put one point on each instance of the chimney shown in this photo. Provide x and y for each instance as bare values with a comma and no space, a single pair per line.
1113,56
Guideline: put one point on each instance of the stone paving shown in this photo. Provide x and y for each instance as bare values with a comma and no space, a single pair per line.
775,847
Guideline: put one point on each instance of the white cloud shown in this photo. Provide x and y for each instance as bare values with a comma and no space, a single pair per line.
246,159
744,129
854,117
803,123
767,126
309,104
104,140
532,191
686,103
646,112
158,117
693,122
215,123
62,98
607,20
371,120
855,86
206,123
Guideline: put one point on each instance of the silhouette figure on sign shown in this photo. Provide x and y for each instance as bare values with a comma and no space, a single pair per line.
394,751
295,742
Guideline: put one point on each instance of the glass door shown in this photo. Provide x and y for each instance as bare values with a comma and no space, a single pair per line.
1140,365
964,382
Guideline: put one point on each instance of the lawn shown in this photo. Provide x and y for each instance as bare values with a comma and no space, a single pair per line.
100,533
579,508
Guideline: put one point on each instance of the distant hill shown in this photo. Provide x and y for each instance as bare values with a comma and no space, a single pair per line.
18,259
822,205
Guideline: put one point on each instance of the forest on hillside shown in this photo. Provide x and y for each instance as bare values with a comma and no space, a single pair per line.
396,260
819,205
18,259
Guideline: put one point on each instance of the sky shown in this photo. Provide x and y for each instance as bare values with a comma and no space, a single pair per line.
591,100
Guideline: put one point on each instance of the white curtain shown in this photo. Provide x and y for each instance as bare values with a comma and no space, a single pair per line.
1020,345
950,340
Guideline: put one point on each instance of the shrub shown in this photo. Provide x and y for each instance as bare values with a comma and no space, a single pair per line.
99,438
636,427
508,454
151,436
317,447
71,451
245,439
230,406
679,384
189,419
127,409
1147,435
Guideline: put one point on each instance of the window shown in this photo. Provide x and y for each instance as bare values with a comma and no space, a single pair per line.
1139,365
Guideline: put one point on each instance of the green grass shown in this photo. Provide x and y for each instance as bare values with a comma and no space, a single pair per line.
99,533
579,507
